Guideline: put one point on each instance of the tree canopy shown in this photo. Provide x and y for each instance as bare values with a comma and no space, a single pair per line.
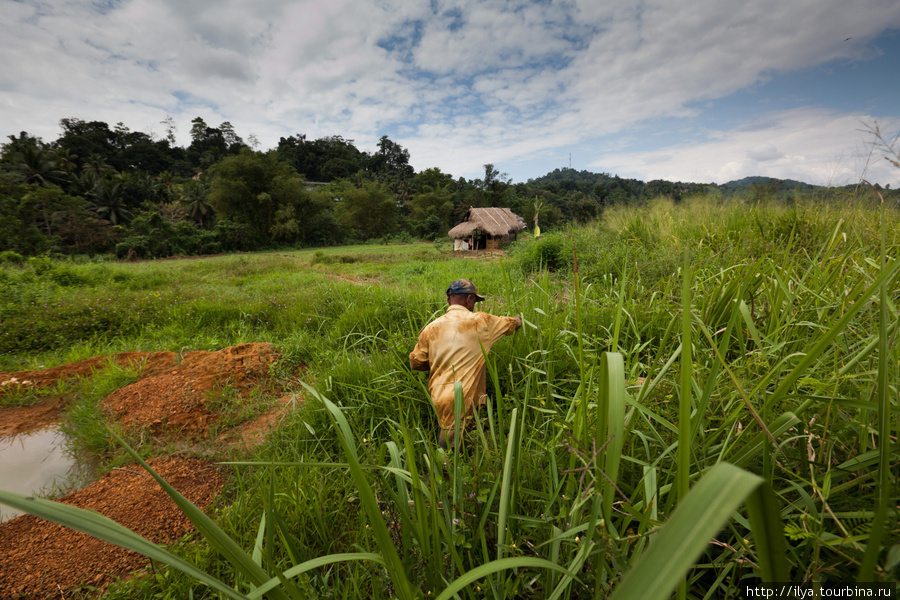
98,188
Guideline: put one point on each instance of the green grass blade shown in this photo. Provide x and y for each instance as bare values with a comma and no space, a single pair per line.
521,562
508,460
778,427
309,565
683,474
826,340
678,544
367,499
867,569
612,398
768,535
260,536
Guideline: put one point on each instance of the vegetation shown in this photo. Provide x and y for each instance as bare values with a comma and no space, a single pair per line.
97,190
688,371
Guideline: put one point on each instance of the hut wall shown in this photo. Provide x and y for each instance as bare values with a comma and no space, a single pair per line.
493,243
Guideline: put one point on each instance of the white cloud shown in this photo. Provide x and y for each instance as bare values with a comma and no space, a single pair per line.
813,145
458,83
764,152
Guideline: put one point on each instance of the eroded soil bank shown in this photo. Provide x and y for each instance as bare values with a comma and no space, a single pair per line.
175,395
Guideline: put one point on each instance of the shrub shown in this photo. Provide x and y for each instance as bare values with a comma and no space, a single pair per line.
8,257
547,252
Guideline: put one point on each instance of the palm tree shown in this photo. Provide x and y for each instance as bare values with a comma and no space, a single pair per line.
108,203
65,160
85,182
36,165
193,196
97,166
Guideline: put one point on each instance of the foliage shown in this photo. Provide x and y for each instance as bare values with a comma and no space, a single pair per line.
79,193
547,252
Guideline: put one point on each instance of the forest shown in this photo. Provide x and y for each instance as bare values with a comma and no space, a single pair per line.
101,190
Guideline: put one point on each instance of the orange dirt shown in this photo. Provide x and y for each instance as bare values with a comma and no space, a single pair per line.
39,559
14,421
175,399
252,433
42,560
170,396
84,368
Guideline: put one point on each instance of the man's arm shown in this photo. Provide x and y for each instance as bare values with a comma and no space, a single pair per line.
418,358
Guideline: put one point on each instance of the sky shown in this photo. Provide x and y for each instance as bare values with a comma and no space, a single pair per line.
682,90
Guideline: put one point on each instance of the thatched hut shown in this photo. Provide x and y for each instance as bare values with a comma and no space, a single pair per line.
485,228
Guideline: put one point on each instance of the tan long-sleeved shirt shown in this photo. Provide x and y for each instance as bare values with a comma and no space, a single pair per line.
451,348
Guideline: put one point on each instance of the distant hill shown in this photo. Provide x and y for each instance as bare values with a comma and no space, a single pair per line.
780,184
611,189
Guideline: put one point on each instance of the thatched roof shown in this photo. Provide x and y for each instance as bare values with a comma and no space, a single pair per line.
492,221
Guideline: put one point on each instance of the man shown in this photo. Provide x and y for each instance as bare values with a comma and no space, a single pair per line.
451,348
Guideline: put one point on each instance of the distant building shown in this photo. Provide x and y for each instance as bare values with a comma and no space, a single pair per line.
485,228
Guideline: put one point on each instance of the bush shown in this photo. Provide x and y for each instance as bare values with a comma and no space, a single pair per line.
40,264
8,257
135,246
547,252
234,236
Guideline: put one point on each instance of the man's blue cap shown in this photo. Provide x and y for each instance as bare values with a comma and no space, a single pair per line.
464,286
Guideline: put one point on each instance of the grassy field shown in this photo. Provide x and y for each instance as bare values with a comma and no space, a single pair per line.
685,374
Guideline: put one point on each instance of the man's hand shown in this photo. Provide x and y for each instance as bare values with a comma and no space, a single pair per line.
518,320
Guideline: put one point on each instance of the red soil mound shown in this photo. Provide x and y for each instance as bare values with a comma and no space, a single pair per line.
21,419
83,368
175,399
42,560
39,559
171,395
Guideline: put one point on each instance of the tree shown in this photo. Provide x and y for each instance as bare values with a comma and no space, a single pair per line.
431,202
433,178
369,211
87,138
490,190
20,218
36,165
108,202
298,211
325,159
66,161
193,195
255,189
169,124
391,162
97,166
209,145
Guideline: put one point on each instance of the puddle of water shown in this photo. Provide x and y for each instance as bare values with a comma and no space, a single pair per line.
37,463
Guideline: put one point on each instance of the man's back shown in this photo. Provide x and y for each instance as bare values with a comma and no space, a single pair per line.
452,347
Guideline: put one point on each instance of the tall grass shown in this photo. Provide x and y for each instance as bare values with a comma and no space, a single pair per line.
743,395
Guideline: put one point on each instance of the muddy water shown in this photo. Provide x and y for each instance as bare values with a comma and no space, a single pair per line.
37,463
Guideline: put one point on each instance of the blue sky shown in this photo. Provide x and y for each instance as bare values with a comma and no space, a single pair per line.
700,90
